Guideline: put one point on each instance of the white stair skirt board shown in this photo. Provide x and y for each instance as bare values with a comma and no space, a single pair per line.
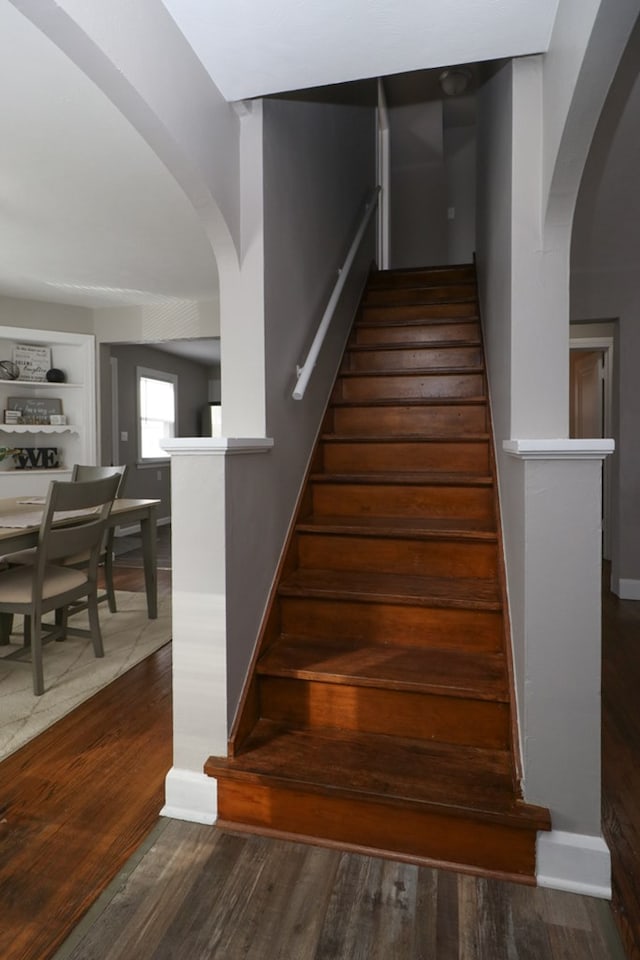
190,796
574,862
626,589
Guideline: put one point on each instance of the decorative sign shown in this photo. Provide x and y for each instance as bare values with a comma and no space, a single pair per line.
33,361
36,458
35,409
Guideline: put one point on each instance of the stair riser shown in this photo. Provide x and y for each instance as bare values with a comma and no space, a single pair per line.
416,333
419,311
432,358
380,828
471,457
430,558
420,716
431,421
392,624
429,294
398,387
356,499
386,279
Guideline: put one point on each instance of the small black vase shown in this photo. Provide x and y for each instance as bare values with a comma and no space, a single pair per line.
56,376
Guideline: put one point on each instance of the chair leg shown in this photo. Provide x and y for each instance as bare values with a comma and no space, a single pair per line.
27,632
94,624
108,573
36,656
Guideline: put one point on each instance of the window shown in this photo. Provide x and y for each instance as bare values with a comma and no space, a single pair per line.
156,411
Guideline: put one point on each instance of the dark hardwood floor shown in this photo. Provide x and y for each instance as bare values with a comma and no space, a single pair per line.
79,800
621,758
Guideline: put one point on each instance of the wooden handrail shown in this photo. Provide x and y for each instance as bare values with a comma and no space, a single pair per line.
304,372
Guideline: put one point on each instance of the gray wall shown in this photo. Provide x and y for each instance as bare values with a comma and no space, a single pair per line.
193,384
319,164
605,284
418,185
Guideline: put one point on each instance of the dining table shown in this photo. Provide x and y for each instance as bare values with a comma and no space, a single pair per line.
20,519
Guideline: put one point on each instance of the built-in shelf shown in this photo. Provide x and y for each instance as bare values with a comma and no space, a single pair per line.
37,428
38,383
74,441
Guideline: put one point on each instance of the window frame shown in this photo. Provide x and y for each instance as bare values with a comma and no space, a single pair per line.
148,373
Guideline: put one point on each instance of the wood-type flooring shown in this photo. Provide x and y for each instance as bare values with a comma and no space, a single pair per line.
77,801
198,892
201,893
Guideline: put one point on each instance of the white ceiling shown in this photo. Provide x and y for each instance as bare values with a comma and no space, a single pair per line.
89,215
256,47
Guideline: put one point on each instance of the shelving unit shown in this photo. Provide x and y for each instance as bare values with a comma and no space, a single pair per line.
74,353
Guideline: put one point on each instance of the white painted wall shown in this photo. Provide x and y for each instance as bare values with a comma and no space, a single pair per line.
39,315
319,164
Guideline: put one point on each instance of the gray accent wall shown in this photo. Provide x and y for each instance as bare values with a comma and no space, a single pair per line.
605,283
319,165
193,389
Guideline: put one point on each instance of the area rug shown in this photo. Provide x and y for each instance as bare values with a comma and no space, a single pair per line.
71,672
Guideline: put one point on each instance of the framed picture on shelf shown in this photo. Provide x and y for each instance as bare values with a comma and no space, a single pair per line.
37,410
32,360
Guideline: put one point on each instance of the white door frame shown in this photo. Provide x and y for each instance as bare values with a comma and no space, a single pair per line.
606,345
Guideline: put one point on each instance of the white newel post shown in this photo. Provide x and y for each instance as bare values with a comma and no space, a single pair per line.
198,512
558,614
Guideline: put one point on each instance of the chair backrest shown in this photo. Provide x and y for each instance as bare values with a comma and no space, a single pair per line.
82,472
81,508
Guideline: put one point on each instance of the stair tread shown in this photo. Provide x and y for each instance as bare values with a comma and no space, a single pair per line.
424,478
412,402
450,673
386,438
424,528
412,773
365,320
413,372
455,592
408,275
394,346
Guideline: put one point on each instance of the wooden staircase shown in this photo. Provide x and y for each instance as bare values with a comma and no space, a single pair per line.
378,715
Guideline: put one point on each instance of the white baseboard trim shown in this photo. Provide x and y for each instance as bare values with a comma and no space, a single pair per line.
626,589
574,862
190,796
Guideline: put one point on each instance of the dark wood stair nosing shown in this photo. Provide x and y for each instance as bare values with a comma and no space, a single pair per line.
357,527
417,438
427,592
488,689
520,815
396,347
413,372
416,478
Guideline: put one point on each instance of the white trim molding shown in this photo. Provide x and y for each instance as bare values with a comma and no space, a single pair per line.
190,796
218,446
626,589
559,449
574,862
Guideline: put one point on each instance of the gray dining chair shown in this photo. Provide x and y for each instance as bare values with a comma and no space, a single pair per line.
73,523
81,473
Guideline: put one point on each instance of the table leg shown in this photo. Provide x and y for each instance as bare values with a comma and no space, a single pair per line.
6,626
150,560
